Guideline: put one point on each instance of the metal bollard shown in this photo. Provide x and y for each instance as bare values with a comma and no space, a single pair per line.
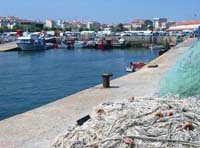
106,79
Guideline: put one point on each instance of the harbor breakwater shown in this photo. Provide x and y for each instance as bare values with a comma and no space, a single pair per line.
146,40
133,41
37,128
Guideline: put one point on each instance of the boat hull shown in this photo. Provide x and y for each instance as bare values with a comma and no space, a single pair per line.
129,69
119,45
27,47
103,46
79,45
156,47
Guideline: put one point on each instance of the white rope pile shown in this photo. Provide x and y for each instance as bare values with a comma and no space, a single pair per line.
140,122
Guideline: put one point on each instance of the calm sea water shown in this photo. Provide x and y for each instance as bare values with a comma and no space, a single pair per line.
31,79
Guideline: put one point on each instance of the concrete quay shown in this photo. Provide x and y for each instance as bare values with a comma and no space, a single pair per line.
8,46
38,127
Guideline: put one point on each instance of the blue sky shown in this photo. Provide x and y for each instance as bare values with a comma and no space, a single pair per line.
105,11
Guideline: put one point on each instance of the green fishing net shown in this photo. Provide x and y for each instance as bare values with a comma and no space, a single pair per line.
183,78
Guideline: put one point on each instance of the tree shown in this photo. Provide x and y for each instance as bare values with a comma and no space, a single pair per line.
80,29
46,29
86,29
4,29
95,28
68,29
148,25
75,28
15,28
117,28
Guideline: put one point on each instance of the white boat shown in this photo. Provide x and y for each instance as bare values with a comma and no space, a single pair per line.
135,66
79,44
31,42
156,47
120,44
130,69
91,44
63,45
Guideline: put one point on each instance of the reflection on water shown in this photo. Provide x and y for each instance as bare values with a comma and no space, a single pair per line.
29,79
31,53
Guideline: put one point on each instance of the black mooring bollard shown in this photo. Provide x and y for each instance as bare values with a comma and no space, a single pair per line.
106,79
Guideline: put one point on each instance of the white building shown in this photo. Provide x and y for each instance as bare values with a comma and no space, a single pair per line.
9,21
137,23
160,23
50,23
186,25
93,24
128,26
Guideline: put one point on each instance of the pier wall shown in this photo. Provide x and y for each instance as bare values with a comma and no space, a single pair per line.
141,40
38,127
133,40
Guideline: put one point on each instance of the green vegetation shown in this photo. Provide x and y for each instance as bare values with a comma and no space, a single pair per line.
118,28
26,28
21,27
148,25
95,28
4,29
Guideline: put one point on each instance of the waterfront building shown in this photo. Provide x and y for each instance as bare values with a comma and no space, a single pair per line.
185,25
50,23
137,23
93,25
31,23
62,24
166,25
65,25
159,23
12,21
127,26
9,21
82,25
141,24
79,24
105,27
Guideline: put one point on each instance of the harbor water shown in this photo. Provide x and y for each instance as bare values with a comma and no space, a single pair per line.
32,79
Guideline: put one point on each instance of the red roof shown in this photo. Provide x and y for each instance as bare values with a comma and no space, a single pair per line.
138,21
178,29
79,23
188,23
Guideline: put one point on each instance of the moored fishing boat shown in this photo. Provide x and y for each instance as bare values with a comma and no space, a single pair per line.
31,42
135,66
79,44
156,47
130,69
121,43
104,44
91,44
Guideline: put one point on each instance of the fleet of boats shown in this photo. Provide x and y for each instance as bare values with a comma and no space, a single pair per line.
36,41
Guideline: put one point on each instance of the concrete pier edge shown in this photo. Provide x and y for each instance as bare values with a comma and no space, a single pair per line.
10,46
38,127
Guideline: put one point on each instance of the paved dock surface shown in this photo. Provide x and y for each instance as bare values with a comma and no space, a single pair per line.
38,127
8,46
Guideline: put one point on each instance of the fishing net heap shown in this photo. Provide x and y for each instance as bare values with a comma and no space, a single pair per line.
139,122
183,79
